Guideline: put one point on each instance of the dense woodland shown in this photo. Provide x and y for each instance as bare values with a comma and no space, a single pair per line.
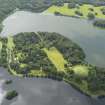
31,47
3,57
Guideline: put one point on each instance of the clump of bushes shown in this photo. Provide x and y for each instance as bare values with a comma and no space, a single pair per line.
99,23
91,9
96,13
8,82
11,94
103,11
58,3
57,13
79,13
90,16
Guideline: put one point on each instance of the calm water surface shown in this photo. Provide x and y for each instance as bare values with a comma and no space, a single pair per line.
44,91
91,39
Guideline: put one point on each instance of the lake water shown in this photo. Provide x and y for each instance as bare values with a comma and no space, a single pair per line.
90,38
44,91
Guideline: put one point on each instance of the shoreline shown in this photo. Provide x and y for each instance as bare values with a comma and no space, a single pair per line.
71,83
69,73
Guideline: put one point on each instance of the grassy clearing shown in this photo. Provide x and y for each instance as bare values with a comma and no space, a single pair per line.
10,44
37,73
81,70
56,58
63,10
84,9
22,65
19,55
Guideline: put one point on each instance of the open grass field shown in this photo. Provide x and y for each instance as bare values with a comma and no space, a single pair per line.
56,58
84,9
62,9
10,44
22,65
81,70
37,73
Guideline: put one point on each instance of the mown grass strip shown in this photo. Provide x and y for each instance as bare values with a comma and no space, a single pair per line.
56,58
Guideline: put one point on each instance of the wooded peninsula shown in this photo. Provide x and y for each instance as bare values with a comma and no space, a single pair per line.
51,55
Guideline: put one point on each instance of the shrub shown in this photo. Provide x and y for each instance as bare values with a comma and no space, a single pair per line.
8,82
96,13
99,23
90,15
78,13
103,11
91,9
12,94
59,3
57,13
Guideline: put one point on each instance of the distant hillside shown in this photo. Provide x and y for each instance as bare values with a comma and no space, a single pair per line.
9,6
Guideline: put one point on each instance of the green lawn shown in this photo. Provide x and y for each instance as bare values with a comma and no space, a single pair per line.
10,44
84,9
22,65
56,58
80,70
39,73
64,10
